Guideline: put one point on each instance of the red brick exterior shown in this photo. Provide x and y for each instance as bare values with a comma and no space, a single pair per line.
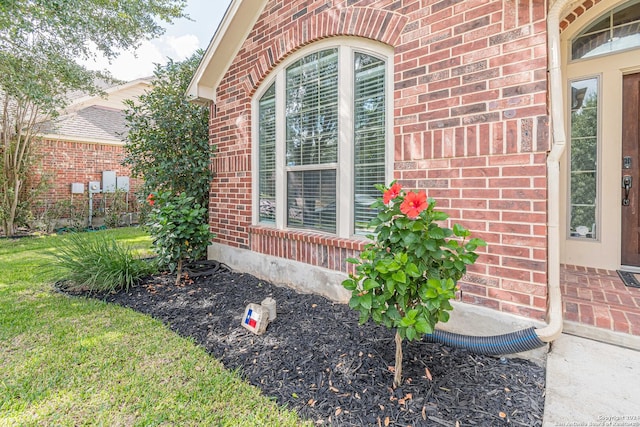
577,12
68,162
470,127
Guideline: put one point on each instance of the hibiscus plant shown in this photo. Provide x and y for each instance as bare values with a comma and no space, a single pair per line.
405,278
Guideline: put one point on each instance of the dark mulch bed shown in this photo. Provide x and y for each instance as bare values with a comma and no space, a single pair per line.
316,359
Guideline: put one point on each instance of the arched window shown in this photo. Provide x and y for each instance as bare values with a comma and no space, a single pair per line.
322,128
617,30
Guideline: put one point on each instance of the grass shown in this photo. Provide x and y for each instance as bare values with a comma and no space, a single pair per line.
75,361
97,262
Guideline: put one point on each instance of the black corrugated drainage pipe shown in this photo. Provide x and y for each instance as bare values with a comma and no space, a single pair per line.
513,342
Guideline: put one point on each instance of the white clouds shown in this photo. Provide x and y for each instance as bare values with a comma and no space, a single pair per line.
132,65
183,46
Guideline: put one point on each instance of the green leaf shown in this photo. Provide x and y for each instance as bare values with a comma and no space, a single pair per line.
406,321
401,288
366,300
350,284
411,333
470,247
478,242
392,313
369,284
364,317
436,233
423,326
440,216
409,238
403,222
401,258
399,277
412,314
354,301
460,231
412,270
446,305
385,216
430,245
353,260
390,285
382,268
376,315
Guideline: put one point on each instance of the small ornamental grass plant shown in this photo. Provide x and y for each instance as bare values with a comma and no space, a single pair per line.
406,277
97,262
178,229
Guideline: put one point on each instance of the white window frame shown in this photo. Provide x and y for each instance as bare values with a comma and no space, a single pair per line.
347,47
608,11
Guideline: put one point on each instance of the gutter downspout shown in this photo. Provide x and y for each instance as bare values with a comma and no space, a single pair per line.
532,338
554,309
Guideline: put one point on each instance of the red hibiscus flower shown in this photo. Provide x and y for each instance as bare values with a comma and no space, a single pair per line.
413,204
391,193
151,199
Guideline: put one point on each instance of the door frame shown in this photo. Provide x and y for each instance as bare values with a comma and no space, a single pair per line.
605,251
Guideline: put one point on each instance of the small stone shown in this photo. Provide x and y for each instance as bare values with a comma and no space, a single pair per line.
270,304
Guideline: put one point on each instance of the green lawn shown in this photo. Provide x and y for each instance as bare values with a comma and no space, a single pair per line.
73,361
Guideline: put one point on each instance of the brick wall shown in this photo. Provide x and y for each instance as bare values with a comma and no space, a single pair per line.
68,162
577,12
470,127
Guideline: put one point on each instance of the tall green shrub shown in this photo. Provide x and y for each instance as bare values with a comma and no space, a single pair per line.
168,139
406,277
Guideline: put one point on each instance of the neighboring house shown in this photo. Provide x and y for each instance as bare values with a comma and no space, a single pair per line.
519,117
86,140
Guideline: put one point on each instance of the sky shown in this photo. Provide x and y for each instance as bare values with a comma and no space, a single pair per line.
180,40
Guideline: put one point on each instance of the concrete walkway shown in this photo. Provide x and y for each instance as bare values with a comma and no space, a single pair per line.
590,383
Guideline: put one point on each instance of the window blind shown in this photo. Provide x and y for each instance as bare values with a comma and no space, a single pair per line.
369,136
267,155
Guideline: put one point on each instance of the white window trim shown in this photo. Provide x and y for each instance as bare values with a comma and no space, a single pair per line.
344,172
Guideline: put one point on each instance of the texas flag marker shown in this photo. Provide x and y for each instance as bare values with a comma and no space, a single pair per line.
256,318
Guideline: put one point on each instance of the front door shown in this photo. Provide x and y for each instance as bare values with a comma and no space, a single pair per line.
630,179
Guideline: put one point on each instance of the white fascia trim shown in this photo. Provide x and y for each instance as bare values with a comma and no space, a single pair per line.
236,25
65,138
81,102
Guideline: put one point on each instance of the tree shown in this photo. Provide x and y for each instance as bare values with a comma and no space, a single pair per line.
168,140
40,41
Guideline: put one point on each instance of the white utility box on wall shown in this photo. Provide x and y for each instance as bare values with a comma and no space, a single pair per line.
108,181
122,183
77,188
94,187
